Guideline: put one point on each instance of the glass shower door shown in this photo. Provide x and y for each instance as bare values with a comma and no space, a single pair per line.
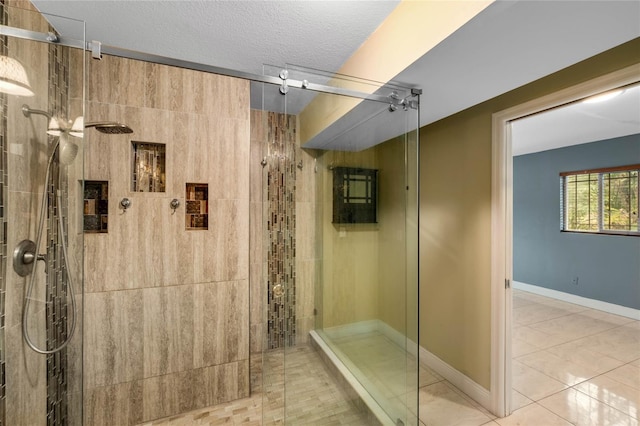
42,237
340,251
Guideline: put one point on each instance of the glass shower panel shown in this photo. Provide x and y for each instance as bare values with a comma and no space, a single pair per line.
366,292
348,306
272,145
42,240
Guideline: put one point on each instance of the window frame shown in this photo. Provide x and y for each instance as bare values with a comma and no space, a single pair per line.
600,201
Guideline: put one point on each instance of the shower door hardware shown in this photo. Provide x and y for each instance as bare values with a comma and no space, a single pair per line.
284,88
24,257
96,49
395,101
278,290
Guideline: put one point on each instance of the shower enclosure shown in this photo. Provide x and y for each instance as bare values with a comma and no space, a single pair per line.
338,261
41,237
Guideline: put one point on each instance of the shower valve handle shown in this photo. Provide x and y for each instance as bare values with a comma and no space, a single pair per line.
28,258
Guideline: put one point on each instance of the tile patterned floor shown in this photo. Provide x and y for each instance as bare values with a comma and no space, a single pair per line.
571,366
313,397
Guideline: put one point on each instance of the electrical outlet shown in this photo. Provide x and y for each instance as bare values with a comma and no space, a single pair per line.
574,281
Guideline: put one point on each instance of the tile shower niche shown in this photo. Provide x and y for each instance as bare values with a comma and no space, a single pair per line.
149,172
197,206
96,206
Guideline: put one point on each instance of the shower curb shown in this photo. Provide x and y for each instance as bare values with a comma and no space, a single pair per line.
357,393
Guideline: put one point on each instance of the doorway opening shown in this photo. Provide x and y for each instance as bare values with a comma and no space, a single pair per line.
505,284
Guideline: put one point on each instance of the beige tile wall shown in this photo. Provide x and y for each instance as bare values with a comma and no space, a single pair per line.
257,256
28,148
167,310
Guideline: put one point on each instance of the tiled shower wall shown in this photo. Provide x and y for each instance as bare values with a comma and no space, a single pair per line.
3,226
283,200
38,389
167,309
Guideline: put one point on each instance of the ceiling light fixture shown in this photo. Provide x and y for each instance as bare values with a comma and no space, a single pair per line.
601,97
13,78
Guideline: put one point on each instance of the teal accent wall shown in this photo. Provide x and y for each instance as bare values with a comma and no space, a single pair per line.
607,266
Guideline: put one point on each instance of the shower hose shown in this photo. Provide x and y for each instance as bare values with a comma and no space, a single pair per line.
29,289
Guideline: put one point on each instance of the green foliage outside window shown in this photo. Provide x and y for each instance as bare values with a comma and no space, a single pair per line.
603,201
620,201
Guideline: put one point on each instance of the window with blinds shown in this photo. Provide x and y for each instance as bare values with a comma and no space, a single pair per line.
601,201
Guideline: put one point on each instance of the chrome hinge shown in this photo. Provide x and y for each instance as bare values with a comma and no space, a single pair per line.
507,283
315,311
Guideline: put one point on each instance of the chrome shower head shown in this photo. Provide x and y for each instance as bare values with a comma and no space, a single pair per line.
110,127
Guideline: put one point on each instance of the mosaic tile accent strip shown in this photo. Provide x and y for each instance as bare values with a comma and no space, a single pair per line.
3,226
57,309
281,224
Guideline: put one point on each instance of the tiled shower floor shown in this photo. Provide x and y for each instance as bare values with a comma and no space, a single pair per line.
313,397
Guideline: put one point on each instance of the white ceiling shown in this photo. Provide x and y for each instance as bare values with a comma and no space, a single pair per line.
509,44
578,123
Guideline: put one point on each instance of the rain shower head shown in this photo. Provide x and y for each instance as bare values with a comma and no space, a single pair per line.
110,127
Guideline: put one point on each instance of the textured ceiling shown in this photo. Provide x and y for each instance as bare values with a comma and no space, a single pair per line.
240,35
507,45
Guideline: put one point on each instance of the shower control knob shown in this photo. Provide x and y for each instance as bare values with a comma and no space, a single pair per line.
28,258
23,257
125,203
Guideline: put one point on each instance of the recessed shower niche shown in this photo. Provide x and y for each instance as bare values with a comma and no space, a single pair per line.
197,206
148,171
96,206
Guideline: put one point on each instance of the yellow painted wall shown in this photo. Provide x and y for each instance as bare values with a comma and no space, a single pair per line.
350,252
455,218
392,288
365,265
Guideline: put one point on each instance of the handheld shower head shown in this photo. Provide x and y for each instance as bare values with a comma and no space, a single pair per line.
68,149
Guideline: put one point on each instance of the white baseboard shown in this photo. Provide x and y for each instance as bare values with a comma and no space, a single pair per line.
472,389
579,300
